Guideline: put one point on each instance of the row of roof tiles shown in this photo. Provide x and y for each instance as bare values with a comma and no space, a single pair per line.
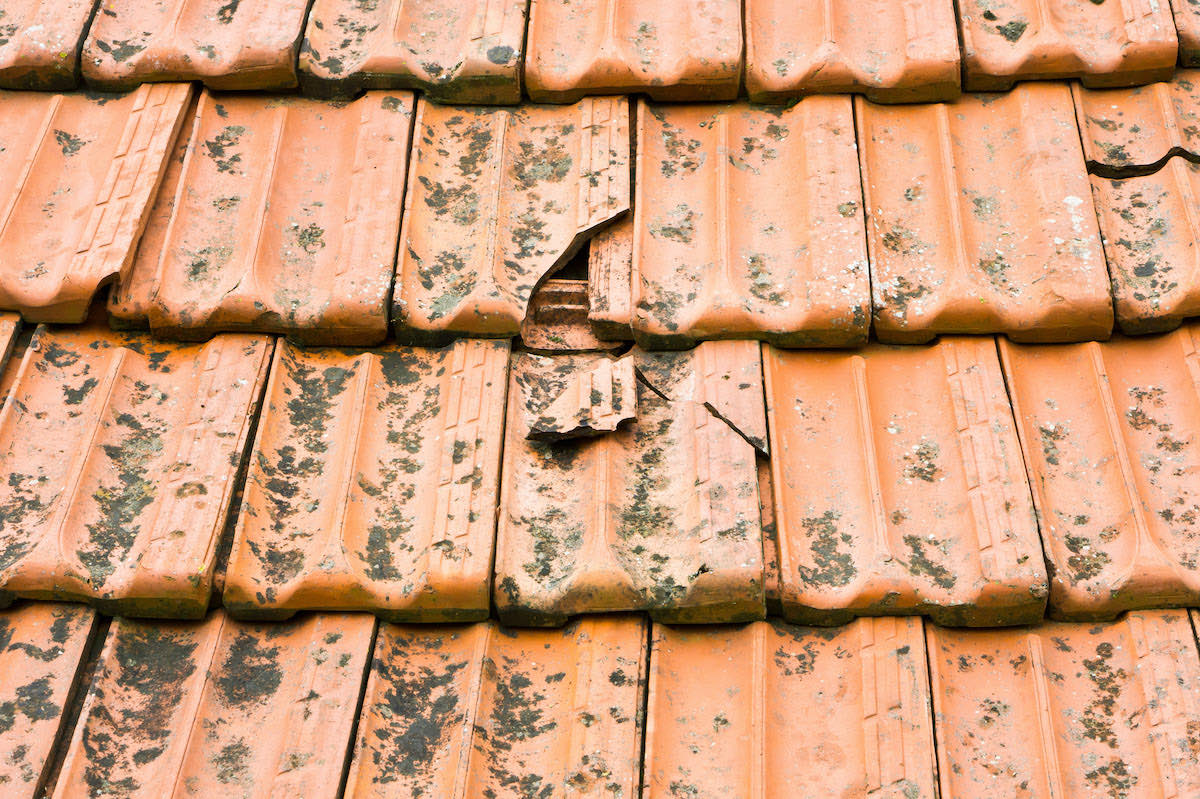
604,707
710,485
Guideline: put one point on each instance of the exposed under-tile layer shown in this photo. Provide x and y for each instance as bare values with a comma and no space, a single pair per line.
77,177
498,199
557,319
481,710
890,51
980,219
469,51
1134,131
1103,44
661,515
373,484
772,709
899,486
1101,710
227,44
1110,434
40,42
220,708
118,456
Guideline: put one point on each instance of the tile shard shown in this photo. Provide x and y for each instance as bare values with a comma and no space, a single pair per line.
980,219
1134,131
899,486
594,401
373,484
40,43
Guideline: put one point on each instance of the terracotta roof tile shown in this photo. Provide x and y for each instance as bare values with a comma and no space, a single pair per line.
485,711
77,177
1108,432
766,507
892,52
1134,131
1103,44
593,400
119,457
40,42
899,486
228,45
469,51
610,271
10,327
498,199
557,319
373,484
769,709
14,340
1187,27
980,219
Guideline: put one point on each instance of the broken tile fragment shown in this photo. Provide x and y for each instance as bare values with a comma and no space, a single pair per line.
557,320
118,456
772,709
481,710
373,484
499,199
980,219
899,486
463,52
593,401
890,51
40,42
1134,131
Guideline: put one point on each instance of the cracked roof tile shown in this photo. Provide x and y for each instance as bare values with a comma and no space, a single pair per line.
1134,131
593,401
40,43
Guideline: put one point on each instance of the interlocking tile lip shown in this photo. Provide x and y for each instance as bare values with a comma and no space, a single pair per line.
1105,44
1187,28
891,52
373,484
77,178
899,486
671,50
610,275
661,515
592,401
214,707
980,219
119,458
463,52
481,710
40,43
557,320
548,177
10,329
1128,132
1068,709
227,45
748,223
285,220
722,714
1109,434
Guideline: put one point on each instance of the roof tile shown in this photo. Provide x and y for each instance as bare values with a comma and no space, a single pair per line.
610,275
557,319
1187,26
766,507
40,42
594,400
10,327
1134,131
899,486
980,219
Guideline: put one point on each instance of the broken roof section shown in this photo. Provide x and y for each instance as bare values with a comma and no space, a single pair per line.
40,43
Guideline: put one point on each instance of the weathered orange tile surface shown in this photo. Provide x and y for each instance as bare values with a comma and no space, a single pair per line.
670,50
373,484
220,708
899,486
1134,131
481,710
463,52
1104,44
591,401
610,275
557,319
980,219
227,44
1109,434
1187,27
77,177
891,52
118,455
772,709
10,327
766,505
498,199
661,515
40,42
748,224
1106,710
287,220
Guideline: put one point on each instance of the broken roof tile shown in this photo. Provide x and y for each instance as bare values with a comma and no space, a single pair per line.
610,286
1102,44
227,45
1110,439
891,51
1134,131
77,177
498,199
469,51
661,515
899,486
593,401
1068,710
748,224
1187,28
40,42
119,455
672,51
771,709
486,711
373,484
980,219
557,320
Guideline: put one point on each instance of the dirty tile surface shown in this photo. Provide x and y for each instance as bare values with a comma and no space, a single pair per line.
40,43
1134,131
592,401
